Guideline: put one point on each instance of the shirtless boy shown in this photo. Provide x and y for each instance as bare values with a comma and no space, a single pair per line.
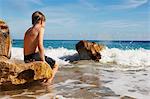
33,43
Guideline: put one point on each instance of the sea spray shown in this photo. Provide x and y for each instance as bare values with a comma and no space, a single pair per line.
134,58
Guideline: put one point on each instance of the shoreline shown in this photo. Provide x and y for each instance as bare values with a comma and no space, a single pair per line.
86,80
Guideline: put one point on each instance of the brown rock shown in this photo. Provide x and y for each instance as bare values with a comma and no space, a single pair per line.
14,73
89,50
5,40
17,72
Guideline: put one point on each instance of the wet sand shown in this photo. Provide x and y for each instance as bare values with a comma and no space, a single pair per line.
80,80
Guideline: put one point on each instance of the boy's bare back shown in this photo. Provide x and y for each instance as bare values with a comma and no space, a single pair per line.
31,41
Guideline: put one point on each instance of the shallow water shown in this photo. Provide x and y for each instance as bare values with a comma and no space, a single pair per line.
88,80
119,73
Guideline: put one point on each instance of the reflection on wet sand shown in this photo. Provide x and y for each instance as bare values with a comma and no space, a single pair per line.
84,79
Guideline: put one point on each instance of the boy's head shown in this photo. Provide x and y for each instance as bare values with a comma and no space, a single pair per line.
38,17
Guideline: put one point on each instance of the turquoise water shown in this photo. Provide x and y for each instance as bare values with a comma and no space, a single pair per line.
124,69
70,44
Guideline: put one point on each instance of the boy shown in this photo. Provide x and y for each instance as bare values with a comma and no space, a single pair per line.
33,43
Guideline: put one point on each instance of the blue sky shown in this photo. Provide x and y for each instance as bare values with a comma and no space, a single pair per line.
81,19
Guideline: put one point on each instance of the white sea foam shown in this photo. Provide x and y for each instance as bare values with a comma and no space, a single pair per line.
51,96
134,84
73,84
124,83
136,57
124,58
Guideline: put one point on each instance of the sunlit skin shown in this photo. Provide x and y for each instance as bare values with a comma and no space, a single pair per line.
33,43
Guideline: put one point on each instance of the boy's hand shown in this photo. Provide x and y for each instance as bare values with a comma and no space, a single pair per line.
48,81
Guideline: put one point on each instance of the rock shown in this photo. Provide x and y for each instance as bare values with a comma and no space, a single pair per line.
5,40
14,73
89,50
17,72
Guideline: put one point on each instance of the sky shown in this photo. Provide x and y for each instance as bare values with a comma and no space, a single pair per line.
81,19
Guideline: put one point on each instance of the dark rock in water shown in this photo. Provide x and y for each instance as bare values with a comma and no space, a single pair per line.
104,91
17,72
89,50
5,40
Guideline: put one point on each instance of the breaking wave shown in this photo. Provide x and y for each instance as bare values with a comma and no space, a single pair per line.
132,57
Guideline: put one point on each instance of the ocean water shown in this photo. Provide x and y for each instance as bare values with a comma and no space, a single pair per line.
70,44
124,70
131,54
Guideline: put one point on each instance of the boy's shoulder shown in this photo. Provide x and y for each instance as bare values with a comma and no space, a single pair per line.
37,28
29,29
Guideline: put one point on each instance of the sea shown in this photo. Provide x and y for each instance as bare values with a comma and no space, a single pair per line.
123,72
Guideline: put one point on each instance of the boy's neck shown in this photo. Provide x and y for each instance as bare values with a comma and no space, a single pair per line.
38,26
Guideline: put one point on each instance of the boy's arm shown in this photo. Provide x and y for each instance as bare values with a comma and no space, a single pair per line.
40,44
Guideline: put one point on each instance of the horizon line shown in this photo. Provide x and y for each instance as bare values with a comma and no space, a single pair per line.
84,39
